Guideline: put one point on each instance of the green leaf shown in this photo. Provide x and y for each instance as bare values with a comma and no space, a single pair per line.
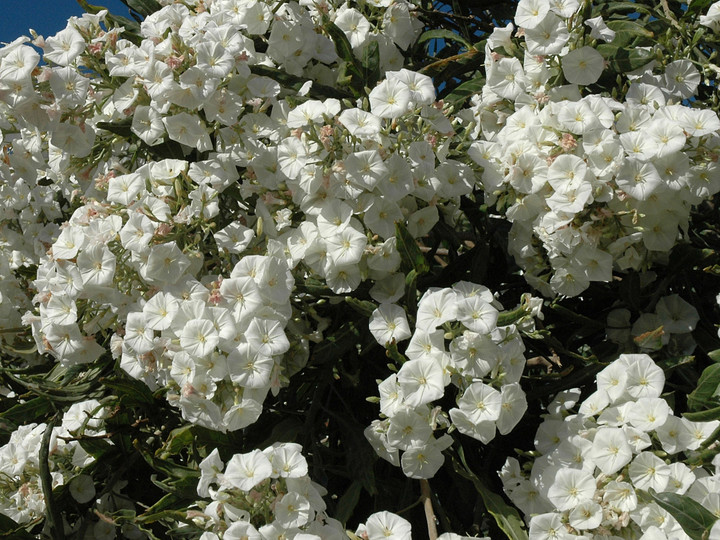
30,411
371,64
697,7
505,515
363,307
628,7
703,416
412,257
353,70
707,388
624,27
143,7
130,391
715,355
118,128
159,510
178,440
10,529
348,502
445,34
293,82
692,516
89,8
622,59
95,447
411,292
461,93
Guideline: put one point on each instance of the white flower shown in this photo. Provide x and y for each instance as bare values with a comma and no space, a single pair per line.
242,530
267,337
361,124
293,510
530,13
649,471
644,377
387,323
354,24
548,526
513,407
620,495
245,471
421,380
586,515
199,337
189,130
64,47
482,403
435,308
422,461
390,99
570,488
147,123
583,66
600,30
610,450
96,265
387,526
681,78
408,428
649,413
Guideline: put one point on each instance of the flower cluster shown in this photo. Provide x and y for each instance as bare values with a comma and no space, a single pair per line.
187,296
591,184
21,489
459,341
591,468
262,494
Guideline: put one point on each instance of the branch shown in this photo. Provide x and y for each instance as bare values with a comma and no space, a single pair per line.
426,498
669,14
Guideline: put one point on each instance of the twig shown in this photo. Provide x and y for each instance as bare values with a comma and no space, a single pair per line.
426,497
669,14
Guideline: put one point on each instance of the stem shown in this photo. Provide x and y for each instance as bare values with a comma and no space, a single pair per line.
54,516
426,498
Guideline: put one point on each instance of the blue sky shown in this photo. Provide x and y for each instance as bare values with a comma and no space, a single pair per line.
46,17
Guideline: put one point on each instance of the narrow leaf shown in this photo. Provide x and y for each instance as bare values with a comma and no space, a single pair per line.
703,416
692,516
178,440
465,90
505,515
348,502
118,128
631,28
707,388
30,411
363,307
412,257
130,391
287,80
371,64
143,7
444,34
622,59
